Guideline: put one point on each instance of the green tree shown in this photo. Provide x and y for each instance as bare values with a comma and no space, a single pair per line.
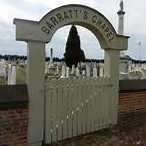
73,53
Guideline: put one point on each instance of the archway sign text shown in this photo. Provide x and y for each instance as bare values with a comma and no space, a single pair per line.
78,14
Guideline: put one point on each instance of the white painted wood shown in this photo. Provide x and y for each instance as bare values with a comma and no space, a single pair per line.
79,107
48,113
60,109
65,96
76,106
74,112
92,106
111,68
35,86
88,101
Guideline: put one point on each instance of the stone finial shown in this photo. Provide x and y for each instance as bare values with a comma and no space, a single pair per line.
121,5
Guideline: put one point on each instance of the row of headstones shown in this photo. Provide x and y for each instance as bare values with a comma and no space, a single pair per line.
87,72
8,71
141,67
82,70
89,69
132,71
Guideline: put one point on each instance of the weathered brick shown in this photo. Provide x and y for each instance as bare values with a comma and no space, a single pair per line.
132,108
13,127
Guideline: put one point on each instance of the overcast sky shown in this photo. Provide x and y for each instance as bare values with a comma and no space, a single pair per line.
134,26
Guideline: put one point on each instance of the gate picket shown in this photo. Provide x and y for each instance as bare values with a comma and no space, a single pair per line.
76,106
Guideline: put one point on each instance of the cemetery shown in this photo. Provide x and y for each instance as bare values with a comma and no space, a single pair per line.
72,102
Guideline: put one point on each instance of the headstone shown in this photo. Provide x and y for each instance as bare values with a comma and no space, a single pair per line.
83,73
57,69
63,72
73,70
67,72
9,74
13,75
101,71
87,70
77,72
2,68
46,68
94,71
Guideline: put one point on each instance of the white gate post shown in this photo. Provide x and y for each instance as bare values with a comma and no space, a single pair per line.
111,69
35,85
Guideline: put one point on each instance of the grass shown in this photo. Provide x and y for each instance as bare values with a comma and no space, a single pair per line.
21,75
2,81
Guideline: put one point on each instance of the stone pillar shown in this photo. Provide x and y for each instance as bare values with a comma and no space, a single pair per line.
51,65
111,69
121,22
121,18
35,84
121,14
51,55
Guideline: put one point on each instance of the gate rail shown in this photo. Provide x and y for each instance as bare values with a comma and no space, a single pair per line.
76,106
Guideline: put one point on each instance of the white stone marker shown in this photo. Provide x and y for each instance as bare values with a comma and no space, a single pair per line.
87,70
63,72
2,68
73,70
67,72
94,71
9,73
13,75
77,72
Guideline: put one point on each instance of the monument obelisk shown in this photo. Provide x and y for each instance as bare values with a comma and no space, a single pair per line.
51,58
121,22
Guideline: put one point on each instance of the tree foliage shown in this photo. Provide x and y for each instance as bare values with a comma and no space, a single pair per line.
73,53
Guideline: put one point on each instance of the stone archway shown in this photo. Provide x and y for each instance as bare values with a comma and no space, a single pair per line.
36,34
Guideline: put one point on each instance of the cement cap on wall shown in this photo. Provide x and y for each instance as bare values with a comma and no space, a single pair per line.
132,85
13,93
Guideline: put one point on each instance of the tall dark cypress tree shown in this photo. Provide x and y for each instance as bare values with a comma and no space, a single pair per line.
73,53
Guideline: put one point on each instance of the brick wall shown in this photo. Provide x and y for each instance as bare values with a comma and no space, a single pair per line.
132,108
132,102
13,115
13,126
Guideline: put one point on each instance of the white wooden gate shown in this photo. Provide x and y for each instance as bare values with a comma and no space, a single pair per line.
76,106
